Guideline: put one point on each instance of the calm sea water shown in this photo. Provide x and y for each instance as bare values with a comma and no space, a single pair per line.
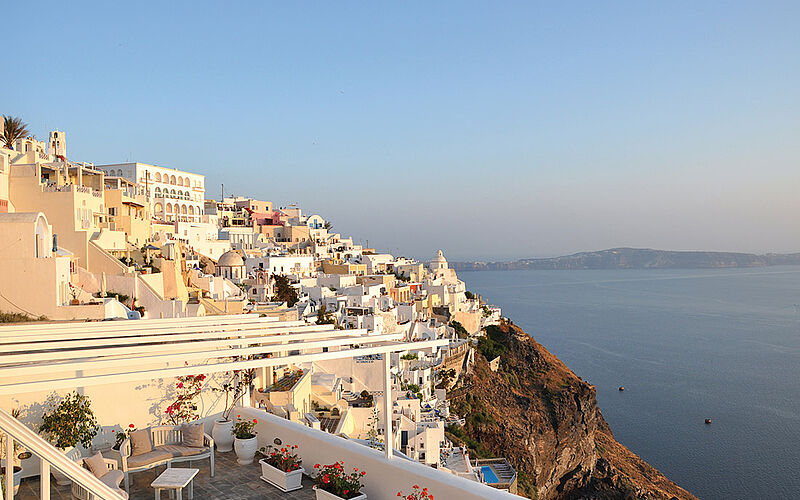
687,345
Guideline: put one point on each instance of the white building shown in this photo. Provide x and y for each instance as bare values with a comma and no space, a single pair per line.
174,195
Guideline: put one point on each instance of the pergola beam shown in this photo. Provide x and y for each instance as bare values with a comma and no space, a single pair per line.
66,354
87,365
110,378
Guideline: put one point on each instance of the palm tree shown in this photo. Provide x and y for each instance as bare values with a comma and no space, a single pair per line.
15,128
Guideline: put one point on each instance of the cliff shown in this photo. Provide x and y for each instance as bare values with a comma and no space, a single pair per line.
538,414
637,258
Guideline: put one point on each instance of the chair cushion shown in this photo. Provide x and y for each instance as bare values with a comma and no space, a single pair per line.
178,450
150,457
96,465
112,478
141,442
192,435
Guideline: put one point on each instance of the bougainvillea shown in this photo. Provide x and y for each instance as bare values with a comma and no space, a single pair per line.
184,409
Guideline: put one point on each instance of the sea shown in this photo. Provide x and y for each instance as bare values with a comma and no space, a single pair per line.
687,345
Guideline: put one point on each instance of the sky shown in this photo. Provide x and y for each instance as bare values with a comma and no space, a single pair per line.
491,130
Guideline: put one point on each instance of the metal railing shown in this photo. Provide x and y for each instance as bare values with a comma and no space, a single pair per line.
49,455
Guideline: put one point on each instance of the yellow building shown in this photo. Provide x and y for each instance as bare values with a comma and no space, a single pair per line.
329,267
128,209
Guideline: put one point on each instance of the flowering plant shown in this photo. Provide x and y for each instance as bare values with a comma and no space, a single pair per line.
416,494
70,422
282,458
243,429
122,435
184,409
333,479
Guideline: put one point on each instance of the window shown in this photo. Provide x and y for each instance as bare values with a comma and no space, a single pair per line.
112,211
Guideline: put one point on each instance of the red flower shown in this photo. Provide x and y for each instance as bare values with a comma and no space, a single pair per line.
255,421
131,426
326,479
316,466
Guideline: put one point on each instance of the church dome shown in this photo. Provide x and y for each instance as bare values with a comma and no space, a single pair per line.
230,259
439,259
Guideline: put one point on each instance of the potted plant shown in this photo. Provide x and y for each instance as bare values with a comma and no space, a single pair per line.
73,292
281,468
333,483
417,493
234,388
68,423
245,442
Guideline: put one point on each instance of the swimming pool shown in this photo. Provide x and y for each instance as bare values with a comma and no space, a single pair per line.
489,476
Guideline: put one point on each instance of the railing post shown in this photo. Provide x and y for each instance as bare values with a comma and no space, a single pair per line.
9,486
44,479
387,404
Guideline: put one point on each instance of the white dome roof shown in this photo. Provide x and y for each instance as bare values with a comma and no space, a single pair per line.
439,257
230,259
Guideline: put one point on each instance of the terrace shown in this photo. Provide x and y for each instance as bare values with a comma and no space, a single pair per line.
125,368
230,480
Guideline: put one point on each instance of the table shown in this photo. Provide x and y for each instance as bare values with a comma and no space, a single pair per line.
175,480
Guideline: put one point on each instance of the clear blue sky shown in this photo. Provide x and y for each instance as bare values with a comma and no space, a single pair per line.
490,130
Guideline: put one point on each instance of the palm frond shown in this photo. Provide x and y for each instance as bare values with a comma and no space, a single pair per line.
15,128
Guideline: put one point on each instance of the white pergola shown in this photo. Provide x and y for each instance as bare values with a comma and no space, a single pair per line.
38,357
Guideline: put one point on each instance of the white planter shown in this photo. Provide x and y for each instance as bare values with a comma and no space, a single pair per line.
245,449
324,495
284,481
17,477
61,479
222,434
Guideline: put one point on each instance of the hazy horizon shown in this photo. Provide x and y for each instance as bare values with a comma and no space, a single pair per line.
491,131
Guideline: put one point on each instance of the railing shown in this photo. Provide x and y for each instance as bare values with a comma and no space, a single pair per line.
48,455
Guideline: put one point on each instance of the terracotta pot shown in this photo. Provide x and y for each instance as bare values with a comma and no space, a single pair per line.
245,449
284,481
222,434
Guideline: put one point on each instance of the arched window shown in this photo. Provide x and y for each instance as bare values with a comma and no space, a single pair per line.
158,176
172,192
183,209
172,180
187,182
180,181
159,208
158,191
191,210
169,208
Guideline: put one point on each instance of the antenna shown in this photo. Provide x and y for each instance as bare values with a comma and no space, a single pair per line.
223,194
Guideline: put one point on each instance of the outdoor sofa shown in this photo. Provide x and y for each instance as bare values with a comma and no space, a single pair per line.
166,446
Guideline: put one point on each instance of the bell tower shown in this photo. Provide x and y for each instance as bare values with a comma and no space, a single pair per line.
57,145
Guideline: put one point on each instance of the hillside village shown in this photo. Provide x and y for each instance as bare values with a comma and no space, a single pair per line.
134,242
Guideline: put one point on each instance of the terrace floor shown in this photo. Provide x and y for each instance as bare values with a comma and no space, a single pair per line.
230,481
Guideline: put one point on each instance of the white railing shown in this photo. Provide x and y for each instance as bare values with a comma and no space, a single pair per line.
49,455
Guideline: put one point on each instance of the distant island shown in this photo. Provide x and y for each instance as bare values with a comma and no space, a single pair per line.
636,258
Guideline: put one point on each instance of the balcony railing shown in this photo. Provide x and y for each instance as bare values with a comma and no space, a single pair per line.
49,456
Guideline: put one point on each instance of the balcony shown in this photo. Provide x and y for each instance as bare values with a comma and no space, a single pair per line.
139,359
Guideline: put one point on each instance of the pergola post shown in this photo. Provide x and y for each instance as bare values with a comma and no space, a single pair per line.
9,486
387,404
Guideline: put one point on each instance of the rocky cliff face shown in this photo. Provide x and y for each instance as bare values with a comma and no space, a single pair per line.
538,414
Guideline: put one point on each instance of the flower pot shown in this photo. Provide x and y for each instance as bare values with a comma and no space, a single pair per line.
223,437
324,495
17,476
284,481
245,449
75,302
61,479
